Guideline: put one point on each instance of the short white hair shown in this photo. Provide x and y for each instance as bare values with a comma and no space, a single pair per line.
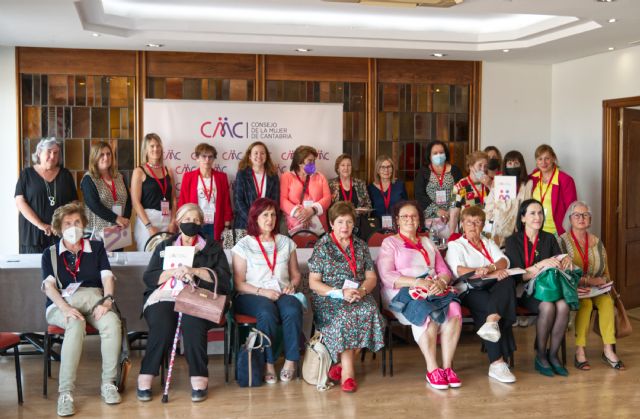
566,222
186,208
44,144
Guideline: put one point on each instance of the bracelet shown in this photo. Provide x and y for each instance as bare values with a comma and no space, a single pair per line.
365,290
258,291
494,267
148,224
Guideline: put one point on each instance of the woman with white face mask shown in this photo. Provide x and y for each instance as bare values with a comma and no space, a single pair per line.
79,285
471,190
39,191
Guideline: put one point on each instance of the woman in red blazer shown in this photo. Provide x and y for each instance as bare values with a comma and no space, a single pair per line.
556,191
209,189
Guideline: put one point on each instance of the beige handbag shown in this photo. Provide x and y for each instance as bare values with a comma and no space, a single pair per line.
317,361
202,303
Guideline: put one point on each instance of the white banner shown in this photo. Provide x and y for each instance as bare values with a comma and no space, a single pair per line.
231,126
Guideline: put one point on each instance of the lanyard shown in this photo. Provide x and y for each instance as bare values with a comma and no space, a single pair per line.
163,185
344,194
112,188
386,196
350,260
209,193
441,177
255,182
76,268
529,257
482,249
542,196
481,196
583,255
416,246
272,267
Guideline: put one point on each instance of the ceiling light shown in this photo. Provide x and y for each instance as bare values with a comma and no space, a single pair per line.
438,54
611,48
612,20
506,50
605,1
95,34
155,45
303,49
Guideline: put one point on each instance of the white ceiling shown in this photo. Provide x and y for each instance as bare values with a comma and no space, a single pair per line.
534,31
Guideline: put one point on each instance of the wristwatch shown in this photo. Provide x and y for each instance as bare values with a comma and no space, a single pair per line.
109,297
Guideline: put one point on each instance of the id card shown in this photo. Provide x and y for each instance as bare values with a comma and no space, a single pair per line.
349,284
387,222
71,289
488,227
307,203
117,209
209,215
272,284
164,208
441,197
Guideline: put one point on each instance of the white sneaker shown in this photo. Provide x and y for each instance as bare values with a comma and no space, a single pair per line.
500,371
109,393
65,404
489,331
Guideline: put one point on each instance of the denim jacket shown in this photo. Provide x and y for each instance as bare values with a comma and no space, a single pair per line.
417,311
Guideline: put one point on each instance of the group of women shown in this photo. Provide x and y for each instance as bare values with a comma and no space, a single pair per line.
419,286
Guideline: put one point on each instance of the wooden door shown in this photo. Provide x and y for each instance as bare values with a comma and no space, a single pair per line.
628,256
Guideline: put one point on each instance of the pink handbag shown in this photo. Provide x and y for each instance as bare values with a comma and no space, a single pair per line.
202,303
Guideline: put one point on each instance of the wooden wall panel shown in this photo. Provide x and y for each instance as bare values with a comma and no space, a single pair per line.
76,61
425,71
284,67
201,65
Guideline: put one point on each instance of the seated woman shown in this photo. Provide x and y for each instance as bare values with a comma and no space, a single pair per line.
79,284
407,261
159,300
266,275
588,253
341,277
493,308
532,249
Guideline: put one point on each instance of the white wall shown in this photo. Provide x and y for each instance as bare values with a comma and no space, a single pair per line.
578,89
9,166
516,107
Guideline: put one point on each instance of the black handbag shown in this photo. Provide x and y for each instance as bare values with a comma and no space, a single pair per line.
251,359
466,283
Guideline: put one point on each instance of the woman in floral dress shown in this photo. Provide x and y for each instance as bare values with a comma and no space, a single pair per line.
342,276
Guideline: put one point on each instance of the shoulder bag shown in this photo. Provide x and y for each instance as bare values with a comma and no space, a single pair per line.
251,359
317,361
623,324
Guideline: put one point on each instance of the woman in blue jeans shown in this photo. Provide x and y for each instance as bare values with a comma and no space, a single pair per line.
266,275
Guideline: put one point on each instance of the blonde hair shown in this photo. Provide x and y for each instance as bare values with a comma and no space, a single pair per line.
545,148
186,208
75,207
381,159
144,157
475,156
94,156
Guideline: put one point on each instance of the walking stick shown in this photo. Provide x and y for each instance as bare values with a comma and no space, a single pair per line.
165,395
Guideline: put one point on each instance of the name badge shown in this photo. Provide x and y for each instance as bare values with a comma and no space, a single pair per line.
272,284
387,222
164,208
441,197
349,284
209,215
488,227
307,203
71,289
117,210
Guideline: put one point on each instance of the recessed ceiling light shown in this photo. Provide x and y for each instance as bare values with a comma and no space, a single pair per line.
95,34
605,1
155,45
611,48
506,50
438,54
612,20
303,49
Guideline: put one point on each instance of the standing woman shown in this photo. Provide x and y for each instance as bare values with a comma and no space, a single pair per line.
588,253
386,191
257,177
39,191
435,181
471,190
533,249
209,189
350,189
304,193
152,192
105,193
556,191
502,214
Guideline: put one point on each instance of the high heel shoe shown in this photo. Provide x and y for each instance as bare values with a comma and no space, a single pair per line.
547,371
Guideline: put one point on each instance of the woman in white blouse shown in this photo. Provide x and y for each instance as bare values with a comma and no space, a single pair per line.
266,275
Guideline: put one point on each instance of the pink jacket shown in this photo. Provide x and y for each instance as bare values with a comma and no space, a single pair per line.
291,189
561,197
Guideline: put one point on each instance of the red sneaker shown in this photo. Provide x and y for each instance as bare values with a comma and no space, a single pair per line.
452,378
349,385
437,379
335,373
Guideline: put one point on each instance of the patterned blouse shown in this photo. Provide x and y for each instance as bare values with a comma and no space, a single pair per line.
597,255
360,198
468,194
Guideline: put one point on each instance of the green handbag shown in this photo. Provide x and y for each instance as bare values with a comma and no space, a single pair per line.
553,285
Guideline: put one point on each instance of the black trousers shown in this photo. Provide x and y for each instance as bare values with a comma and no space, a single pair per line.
162,321
499,299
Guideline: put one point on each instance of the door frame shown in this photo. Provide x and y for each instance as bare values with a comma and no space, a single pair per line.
611,177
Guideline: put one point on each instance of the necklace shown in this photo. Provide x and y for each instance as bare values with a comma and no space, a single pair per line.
155,166
52,198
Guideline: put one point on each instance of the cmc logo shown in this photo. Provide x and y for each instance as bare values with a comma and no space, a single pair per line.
224,129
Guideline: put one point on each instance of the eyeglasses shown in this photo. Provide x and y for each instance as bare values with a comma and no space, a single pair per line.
476,223
582,215
407,217
386,167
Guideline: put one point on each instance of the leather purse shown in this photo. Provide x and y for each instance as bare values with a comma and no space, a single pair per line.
623,324
202,303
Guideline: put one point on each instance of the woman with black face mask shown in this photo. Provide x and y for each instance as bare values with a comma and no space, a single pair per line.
159,300
502,213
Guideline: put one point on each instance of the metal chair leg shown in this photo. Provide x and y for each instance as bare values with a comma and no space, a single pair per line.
46,363
226,364
16,354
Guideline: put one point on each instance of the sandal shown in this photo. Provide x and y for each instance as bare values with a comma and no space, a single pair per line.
287,375
617,365
584,366
270,378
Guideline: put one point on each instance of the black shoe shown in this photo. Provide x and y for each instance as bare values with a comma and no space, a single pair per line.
198,395
144,395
